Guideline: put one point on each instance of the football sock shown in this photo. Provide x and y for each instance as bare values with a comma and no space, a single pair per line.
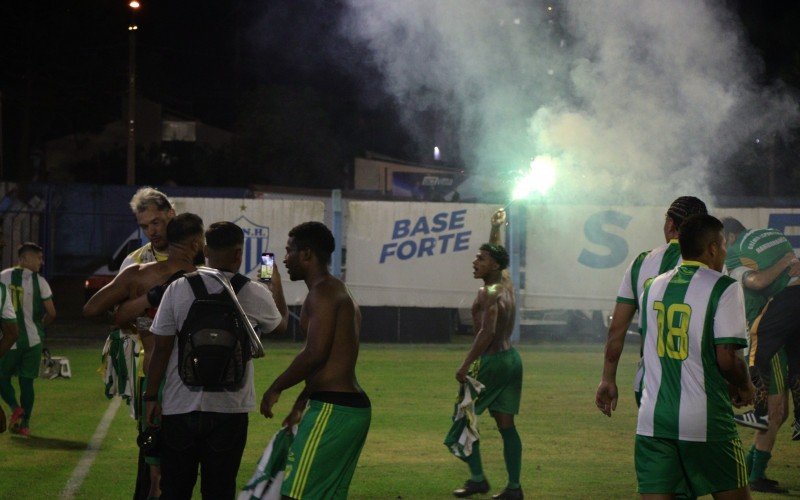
512,452
760,460
7,392
26,398
474,463
748,459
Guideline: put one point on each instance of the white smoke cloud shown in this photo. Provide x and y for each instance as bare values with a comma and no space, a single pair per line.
634,97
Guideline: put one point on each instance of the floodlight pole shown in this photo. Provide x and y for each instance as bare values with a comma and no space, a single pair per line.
338,233
516,226
130,170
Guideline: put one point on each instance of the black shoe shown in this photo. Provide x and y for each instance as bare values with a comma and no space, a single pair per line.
767,486
510,494
750,419
471,488
796,430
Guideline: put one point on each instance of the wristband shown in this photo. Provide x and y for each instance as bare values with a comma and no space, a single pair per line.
147,397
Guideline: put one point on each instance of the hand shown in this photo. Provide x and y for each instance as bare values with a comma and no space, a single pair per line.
153,413
499,217
276,279
461,374
794,267
293,418
606,397
268,401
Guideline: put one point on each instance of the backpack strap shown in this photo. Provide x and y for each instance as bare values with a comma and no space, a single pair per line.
238,281
198,287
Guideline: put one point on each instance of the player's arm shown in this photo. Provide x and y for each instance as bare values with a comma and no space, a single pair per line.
734,370
607,392
49,312
298,409
131,309
498,221
8,322
489,297
758,280
275,286
322,303
730,337
165,325
110,295
10,335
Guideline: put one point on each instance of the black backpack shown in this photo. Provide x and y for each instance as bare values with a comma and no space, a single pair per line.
213,344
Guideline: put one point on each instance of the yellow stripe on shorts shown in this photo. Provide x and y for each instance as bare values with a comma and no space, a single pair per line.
777,374
309,450
741,467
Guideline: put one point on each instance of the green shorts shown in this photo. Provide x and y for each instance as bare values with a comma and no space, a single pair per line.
501,373
662,465
22,362
780,370
325,451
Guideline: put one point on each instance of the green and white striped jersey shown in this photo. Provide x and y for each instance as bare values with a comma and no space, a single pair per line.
755,250
28,292
7,313
688,312
646,266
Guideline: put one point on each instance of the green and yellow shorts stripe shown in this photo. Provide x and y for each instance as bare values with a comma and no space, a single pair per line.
325,451
780,370
662,465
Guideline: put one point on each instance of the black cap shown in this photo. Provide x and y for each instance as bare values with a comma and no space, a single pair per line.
685,206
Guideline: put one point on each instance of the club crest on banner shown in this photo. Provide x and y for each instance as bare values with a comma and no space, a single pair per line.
256,241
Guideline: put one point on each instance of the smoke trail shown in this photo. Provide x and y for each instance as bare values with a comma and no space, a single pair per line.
634,97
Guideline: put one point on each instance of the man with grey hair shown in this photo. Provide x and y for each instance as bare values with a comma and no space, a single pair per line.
153,211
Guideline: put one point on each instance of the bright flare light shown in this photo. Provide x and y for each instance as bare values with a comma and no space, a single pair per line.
540,178
134,4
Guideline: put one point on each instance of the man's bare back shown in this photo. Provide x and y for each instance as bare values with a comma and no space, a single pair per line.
329,303
128,290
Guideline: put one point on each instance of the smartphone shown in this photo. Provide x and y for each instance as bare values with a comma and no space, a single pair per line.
267,262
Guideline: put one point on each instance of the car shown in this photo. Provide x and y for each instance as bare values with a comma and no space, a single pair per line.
103,275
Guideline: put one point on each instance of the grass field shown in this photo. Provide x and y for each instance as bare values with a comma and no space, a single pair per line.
570,449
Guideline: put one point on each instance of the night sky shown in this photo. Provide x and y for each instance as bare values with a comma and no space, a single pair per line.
63,67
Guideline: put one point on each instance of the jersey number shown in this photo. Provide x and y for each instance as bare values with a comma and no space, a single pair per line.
16,293
673,339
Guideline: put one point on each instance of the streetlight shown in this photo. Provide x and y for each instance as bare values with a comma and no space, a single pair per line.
130,176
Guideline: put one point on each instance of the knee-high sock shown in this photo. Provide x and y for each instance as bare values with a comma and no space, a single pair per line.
512,452
474,463
760,461
26,398
7,392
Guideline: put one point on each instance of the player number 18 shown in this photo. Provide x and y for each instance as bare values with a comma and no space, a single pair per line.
674,339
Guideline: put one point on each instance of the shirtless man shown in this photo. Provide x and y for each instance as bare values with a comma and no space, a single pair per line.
332,410
129,290
497,365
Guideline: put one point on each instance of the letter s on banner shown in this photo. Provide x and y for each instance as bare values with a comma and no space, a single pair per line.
617,246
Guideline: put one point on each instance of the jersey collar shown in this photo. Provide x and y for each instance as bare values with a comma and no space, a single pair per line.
693,263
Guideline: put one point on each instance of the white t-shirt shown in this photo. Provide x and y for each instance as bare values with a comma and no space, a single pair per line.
178,398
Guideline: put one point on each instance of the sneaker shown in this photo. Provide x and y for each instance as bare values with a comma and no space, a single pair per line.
471,488
750,419
796,430
16,419
21,431
765,485
509,494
